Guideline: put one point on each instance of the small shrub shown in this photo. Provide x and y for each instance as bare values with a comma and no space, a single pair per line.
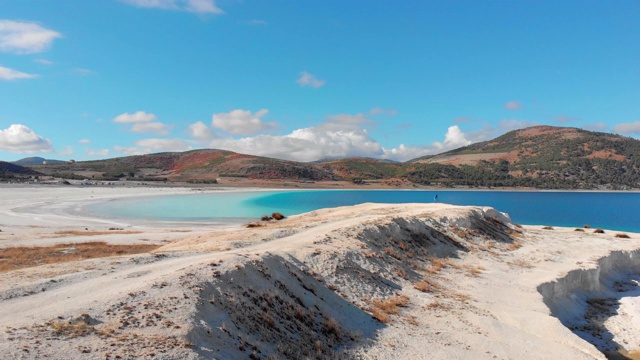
622,236
254,225
426,285
265,218
548,228
278,216
598,231
578,229
586,226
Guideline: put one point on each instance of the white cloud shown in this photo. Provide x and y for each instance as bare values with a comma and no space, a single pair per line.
10,74
200,130
84,141
157,128
310,80
256,22
147,146
195,6
43,61
241,122
599,126
18,138
453,139
628,128
513,105
137,117
24,37
96,153
143,122
306,144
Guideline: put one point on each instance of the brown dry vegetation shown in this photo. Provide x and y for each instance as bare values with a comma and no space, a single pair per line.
622,236
22,257
95,233
598,231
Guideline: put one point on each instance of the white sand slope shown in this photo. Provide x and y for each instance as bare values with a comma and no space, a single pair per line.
448,282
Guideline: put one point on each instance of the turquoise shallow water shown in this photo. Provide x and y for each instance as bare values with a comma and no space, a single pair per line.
619,211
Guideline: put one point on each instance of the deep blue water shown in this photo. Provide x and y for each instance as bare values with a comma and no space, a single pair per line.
612,210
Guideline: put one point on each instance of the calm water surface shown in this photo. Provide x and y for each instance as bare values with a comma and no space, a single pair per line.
619,211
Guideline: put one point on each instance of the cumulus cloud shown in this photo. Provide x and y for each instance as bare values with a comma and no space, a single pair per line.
84,141
146,146
513,105
307,144
628,128
18,138
454,138
143,122
200,130
25,37
137,117
195,6
598,126
309,80
241,122
10,74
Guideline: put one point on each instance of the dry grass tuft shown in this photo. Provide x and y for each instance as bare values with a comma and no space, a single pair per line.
389,251
391,305
254,224
578,229
521,263
332,327
547,228
380,315
427,285
369,254
401,273
586,226
598,231
23,257
622,236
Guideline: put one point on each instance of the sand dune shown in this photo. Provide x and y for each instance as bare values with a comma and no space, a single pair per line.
373,281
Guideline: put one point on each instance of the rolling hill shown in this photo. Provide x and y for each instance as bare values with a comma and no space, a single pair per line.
543,157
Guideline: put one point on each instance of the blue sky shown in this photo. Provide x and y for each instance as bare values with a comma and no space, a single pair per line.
306,80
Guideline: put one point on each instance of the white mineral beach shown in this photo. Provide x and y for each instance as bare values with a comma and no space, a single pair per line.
212,292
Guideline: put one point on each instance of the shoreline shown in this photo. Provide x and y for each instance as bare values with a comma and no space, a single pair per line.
501,304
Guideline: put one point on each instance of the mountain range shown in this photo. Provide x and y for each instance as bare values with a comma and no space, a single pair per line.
543,157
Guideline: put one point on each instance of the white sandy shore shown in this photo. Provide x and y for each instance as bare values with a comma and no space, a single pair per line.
178,302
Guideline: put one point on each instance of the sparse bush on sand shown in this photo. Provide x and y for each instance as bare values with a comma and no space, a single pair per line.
278,216
265,218
598,231
586,226
622,236
578,229
548,228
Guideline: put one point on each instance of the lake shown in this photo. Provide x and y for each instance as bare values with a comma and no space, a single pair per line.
612,210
